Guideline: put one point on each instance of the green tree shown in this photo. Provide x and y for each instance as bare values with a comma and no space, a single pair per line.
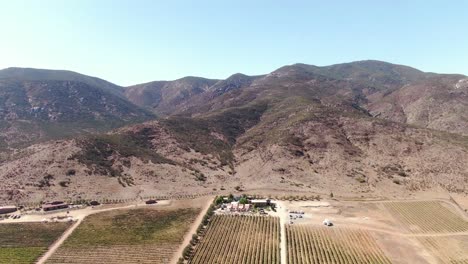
219,200
243,200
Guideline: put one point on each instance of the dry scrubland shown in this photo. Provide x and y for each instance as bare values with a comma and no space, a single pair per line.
26,242
239,239
127,236
307,244
427,217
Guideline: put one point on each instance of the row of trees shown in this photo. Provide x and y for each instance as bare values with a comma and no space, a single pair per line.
189,249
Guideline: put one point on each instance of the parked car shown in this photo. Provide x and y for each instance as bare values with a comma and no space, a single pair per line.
151,201
94,203
327,222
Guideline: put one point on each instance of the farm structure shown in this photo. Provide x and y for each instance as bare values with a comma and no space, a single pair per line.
237,207
427,217
239,239
7,209
317,245
54,206
262,202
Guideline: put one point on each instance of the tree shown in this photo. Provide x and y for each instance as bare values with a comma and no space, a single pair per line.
243,200
219,200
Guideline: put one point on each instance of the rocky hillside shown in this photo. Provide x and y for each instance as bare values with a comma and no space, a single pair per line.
439,102
30,74
35,108
358,129
165,97
306,150
394,92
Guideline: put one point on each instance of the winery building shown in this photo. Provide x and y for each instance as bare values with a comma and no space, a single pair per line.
7,209
54,206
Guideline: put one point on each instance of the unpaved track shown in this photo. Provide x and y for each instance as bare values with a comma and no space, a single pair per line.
402,234
283,217
70,230
59,242
192,231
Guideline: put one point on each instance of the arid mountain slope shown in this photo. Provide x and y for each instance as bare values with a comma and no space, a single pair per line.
147,159
30,74
439,102
395,92
359,129
307,150
165,97
36,110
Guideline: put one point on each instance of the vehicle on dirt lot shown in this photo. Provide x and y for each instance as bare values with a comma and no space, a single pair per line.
327,222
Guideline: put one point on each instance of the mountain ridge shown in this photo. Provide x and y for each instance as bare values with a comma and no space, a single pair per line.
32,111
354,129
34,74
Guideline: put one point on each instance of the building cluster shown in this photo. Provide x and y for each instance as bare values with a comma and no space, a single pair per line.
7,209
237,207
54,206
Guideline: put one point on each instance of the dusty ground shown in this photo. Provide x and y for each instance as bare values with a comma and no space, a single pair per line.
79,214
398,244
205,202
462,201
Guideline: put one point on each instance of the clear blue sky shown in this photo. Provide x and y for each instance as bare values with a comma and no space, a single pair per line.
129,42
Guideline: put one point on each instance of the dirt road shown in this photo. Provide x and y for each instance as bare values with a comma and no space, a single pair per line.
80,215
282,213
58,243
192,231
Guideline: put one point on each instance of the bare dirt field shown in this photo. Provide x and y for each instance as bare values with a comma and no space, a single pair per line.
430,231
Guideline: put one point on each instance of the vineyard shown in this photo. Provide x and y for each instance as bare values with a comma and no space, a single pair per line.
315,245
26,242
239,239
127,236
450,250
427,217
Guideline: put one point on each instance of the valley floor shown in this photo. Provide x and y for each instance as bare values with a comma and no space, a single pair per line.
431,228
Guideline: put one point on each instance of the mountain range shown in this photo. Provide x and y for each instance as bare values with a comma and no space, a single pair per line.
366,128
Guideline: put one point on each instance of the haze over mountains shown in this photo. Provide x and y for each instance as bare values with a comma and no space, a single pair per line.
362,128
